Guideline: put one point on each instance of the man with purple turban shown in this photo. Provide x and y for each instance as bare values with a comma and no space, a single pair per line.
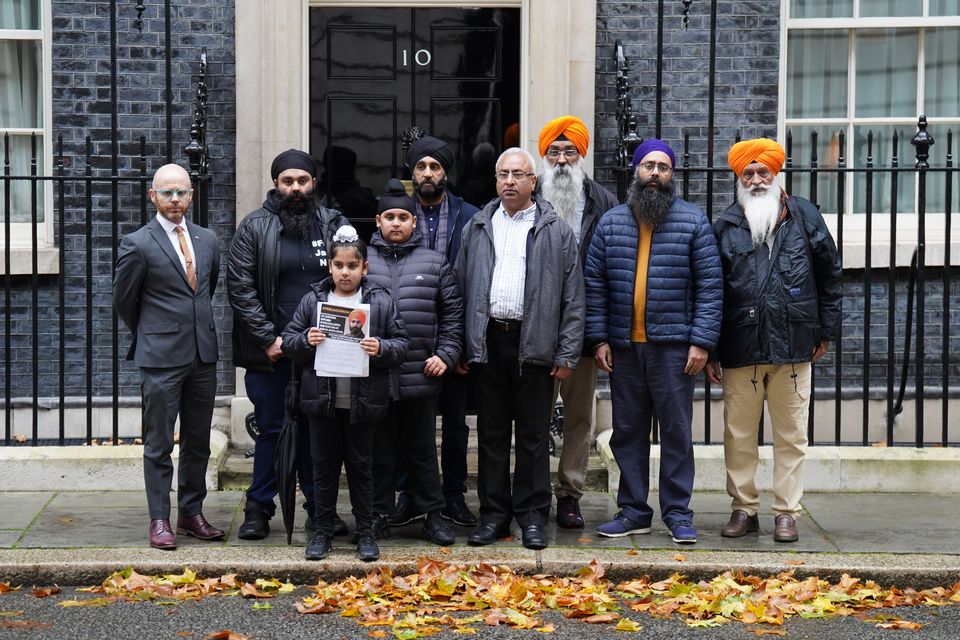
654,299
781,299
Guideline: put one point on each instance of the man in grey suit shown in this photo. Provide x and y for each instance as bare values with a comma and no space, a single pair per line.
166,275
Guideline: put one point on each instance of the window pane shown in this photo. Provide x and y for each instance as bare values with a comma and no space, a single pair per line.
882,157
821,8
936,180
884,8
20,84
20,14
828,151
817,74
942,82
887,73
944,7
20,190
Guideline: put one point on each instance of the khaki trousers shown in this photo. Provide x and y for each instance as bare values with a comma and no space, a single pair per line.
579,399
786,388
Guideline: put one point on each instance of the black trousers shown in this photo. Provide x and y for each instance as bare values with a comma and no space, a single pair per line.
336,442
512,400
408,440
455,434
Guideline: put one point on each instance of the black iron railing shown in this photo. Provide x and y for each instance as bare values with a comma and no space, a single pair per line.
81,210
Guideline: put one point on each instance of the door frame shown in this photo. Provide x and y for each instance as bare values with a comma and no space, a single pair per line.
272,36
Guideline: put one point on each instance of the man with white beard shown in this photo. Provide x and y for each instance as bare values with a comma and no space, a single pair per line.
579,201
782,286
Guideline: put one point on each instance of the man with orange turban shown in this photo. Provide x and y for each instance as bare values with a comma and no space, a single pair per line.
781,308
580,202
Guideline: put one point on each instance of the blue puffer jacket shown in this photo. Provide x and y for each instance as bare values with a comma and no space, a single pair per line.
684,279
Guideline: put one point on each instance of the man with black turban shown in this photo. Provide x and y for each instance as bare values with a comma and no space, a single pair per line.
277,252
781,308
441,216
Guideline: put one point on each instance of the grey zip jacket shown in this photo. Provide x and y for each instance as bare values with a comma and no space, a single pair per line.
551,333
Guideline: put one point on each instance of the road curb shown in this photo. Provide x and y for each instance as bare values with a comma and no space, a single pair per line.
69,567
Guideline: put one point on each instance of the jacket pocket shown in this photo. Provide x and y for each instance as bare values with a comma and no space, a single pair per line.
740,335
802,320
161,327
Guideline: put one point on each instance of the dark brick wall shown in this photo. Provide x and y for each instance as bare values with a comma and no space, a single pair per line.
82,107
747,64
877,353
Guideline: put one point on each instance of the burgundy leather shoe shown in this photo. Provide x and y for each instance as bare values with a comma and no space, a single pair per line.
198,527
161,535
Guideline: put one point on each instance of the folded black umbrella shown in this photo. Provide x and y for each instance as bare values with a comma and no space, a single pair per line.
285,460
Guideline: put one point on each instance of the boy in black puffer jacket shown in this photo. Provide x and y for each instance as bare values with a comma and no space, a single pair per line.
344,413
425,290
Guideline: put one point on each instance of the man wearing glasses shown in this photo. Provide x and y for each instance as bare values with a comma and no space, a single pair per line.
523,306
579,201
166,275
782,289
654,299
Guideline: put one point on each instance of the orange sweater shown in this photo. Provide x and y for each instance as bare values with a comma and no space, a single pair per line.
639,332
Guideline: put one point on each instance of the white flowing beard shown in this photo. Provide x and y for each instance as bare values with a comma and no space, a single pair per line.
761,209
563,188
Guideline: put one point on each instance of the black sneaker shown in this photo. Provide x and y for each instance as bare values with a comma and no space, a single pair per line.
436,530
457,512
404,513
256,522
319,547
379,528
367,549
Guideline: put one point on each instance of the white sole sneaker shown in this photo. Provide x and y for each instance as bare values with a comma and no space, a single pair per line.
631,532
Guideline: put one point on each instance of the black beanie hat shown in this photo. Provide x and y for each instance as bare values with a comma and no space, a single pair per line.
395,197
433,147
293,159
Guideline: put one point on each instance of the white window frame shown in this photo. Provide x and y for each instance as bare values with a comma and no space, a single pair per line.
854,222
21,251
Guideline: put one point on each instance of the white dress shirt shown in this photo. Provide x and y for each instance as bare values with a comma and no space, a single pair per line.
510,267
170,228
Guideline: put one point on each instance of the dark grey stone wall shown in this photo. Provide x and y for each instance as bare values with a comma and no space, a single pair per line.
876,353
82,107
745,96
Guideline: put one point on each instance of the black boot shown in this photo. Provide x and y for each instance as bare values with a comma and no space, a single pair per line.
256,522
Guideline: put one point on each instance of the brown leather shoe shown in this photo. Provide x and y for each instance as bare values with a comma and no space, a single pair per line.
740,524
198,527
161,535
785,529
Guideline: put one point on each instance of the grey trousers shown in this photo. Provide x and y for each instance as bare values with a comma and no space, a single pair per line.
187,392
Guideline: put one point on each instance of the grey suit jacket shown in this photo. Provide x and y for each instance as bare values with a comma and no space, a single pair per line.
171,324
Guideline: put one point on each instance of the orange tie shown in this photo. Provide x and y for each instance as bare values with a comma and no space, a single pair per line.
191,270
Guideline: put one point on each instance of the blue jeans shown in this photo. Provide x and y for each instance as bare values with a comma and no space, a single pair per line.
648,379
266,390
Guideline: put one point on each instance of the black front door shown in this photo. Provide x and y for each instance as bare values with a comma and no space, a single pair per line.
454,73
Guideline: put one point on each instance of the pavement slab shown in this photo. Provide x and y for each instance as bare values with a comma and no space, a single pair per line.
80,537
9,537
19,508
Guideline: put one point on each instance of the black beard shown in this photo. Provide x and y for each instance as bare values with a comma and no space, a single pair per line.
435,189
650,206
295,212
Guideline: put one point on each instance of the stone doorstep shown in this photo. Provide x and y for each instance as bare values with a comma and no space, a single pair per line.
101,468
827,469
